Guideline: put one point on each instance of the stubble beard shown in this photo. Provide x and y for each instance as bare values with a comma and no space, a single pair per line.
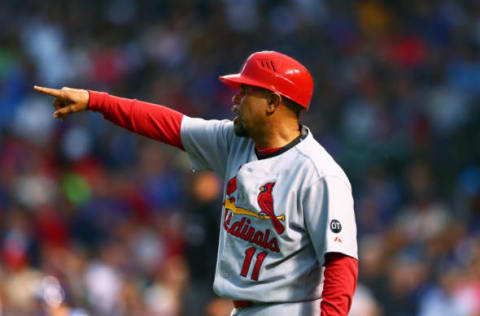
239,128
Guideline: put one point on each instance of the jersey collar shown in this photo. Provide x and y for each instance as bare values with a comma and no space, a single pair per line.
272,152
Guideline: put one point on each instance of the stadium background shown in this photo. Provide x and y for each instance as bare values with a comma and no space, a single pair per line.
97,221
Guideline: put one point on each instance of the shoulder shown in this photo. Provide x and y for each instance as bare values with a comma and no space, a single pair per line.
215,132
195,123
321,163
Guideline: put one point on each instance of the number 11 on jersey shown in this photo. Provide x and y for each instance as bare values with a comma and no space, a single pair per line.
248,260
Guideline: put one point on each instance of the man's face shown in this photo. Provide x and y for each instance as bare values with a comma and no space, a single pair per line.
249,106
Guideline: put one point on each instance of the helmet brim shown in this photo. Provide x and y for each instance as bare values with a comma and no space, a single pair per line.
236,80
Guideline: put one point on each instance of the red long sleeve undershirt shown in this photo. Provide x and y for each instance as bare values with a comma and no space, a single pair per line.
151,120
163,124
340,280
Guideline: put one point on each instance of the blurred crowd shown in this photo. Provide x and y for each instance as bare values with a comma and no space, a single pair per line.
97,221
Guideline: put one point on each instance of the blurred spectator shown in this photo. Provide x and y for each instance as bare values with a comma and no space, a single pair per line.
201,237
219,307
425,217
104,281
445,299
364,303
164,297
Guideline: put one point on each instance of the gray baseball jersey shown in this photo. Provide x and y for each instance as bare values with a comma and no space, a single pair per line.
280,215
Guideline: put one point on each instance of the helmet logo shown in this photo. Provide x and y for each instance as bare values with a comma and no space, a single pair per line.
266,64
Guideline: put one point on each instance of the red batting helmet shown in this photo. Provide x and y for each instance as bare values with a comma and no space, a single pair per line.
276,72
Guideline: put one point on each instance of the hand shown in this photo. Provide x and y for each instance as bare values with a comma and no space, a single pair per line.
67,100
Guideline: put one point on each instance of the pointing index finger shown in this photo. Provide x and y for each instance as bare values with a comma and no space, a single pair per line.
49,91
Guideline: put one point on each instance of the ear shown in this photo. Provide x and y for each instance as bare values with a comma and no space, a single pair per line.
274,100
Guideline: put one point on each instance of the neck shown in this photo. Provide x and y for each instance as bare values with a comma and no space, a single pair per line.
276,134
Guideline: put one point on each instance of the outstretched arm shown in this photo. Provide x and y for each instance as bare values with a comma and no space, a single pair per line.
147,119
151,120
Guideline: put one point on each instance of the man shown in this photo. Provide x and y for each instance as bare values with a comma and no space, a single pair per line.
288,234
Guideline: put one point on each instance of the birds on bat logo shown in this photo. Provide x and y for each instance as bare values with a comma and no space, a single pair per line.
265,202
